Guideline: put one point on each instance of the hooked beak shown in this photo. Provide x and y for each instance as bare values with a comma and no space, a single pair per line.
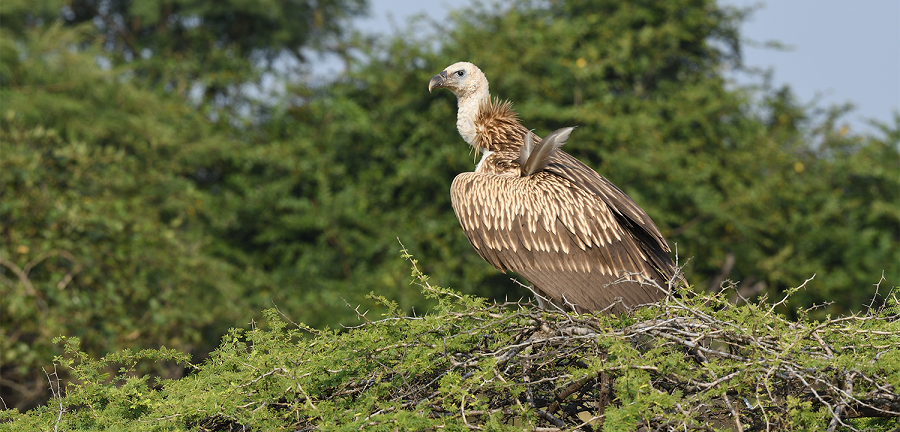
437,81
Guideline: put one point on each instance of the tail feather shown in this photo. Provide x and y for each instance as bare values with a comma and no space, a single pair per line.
534,158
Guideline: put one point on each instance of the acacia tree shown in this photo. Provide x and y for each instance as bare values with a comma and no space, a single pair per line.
682,364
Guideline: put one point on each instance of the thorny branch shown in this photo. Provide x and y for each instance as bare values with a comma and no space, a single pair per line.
53,379
707,363
568,370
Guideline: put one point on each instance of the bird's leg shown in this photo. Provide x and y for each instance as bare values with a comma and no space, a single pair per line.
542,299
543,303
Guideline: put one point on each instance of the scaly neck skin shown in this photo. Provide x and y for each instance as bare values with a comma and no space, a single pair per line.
467,111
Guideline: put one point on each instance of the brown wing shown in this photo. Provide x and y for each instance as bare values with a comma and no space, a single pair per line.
562,238
630,216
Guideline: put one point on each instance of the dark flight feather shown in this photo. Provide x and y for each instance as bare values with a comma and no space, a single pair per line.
534,158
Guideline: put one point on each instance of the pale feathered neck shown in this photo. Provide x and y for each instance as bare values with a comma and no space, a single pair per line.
468,106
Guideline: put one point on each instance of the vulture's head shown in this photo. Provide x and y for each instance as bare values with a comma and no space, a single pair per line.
464,79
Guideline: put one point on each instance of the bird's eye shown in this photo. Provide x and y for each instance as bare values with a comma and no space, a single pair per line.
460,73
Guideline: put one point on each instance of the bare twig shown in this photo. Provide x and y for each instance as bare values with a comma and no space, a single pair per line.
57,395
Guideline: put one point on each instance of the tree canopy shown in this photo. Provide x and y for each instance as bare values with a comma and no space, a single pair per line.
134,215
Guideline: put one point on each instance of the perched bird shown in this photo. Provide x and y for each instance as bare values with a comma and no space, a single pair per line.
534,209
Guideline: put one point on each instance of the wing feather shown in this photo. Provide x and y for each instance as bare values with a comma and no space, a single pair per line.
649,242
574,253
535,157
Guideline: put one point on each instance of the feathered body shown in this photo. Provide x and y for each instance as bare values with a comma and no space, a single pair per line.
534,209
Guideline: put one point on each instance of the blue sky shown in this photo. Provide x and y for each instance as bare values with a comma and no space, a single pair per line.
841,51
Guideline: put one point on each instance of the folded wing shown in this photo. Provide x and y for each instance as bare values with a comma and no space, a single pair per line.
562,238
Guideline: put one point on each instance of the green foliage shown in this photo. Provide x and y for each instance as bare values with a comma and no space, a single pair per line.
105,215
101,234
679,365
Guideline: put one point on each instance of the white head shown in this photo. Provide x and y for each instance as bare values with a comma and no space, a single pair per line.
470,86
464,79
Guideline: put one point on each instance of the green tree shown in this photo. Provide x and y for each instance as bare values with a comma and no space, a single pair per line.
101,237
104,184
469,364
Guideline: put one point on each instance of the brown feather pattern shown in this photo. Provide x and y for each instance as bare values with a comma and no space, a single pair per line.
497,127
573,234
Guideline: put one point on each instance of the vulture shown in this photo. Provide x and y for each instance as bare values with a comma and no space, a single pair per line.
530,207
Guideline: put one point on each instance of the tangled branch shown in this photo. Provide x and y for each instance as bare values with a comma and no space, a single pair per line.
685,364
